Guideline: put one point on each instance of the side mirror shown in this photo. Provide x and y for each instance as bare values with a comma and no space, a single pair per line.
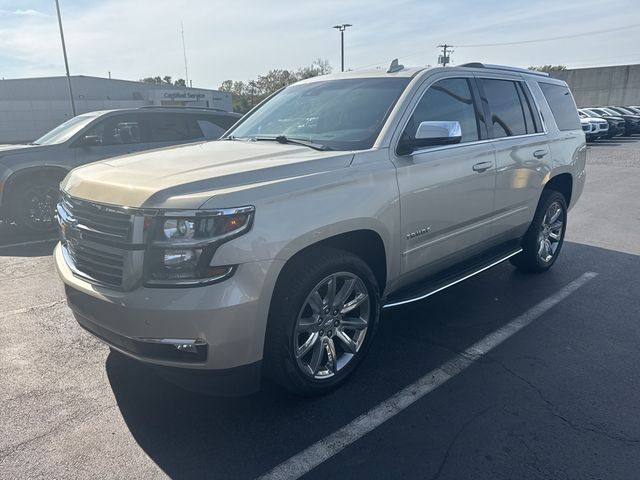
430,134
90,140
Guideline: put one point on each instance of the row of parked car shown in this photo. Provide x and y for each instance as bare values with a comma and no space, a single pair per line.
609,122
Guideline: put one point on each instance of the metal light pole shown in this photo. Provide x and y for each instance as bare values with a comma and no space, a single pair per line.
66,62
342,28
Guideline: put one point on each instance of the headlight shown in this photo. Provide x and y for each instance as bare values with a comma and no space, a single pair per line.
182,244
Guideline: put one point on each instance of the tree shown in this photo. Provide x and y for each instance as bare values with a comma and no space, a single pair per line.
166,80
317,67
549,68
247,94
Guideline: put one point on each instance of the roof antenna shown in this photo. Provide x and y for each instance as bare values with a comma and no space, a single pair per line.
395,66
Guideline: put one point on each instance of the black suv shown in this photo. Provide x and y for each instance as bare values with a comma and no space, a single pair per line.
30,174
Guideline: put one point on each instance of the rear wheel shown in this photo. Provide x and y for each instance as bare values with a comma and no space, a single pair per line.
544,239
33,204
324,313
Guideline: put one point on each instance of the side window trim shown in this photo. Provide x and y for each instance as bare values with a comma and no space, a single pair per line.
538,117
482,131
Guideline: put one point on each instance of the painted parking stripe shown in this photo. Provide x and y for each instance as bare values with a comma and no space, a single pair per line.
34,242
329,446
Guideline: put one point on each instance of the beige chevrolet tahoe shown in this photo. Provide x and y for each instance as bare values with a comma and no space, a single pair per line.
273,250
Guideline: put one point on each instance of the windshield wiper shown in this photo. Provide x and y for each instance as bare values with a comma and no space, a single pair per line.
294,141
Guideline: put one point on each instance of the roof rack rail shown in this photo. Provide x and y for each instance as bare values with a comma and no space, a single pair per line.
186,107
504,67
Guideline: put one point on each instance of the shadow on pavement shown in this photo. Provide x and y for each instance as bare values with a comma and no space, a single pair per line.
17,243
190,435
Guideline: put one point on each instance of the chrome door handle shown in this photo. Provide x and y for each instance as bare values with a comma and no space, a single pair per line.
482,166
540,153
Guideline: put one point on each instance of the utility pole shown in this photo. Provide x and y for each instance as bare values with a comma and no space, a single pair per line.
252,84
445,58
66,62
184,52
342,28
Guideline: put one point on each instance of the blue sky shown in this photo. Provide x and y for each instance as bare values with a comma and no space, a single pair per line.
241,39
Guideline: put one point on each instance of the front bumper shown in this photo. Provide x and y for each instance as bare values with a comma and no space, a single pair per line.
226,322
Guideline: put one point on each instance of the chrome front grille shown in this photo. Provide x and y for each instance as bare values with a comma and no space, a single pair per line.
96,240
99,220
98,265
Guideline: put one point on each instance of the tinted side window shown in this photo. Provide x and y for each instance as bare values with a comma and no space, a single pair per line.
210,130
562,106
448,100
213,126
117,130
171,127
507,111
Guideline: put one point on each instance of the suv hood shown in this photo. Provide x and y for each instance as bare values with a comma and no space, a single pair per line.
187,176
16,148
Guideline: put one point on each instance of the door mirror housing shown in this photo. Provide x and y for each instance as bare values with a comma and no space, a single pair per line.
90,140
430,134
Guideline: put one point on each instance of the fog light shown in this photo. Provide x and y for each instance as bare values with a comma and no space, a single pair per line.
186,347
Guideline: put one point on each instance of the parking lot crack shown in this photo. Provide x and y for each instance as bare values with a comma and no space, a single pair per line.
552,409
455,438
79,417
43,306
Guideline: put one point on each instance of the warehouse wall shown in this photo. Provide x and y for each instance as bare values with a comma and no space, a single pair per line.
601,86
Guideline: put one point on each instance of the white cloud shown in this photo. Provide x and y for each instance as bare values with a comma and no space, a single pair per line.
28,12
242,39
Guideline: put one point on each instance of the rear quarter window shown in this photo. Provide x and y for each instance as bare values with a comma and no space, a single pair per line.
562,106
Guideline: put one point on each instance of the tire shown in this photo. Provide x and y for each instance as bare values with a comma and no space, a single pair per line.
301,310
543,241
33,204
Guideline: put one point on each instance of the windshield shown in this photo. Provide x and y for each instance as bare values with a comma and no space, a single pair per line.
623,110
610,112
65,131
338,114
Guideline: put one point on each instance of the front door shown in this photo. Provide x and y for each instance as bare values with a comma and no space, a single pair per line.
114,136
446,192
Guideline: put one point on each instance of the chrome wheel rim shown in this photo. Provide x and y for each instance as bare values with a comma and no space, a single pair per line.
332,325
551,231
41,205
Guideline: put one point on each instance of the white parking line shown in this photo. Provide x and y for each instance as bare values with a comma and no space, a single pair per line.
34,242
324,449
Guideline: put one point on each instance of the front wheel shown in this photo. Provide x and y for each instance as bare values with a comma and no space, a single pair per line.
543,241
34,204
324,313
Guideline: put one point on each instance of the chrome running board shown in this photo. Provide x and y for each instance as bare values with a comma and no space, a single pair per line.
432,287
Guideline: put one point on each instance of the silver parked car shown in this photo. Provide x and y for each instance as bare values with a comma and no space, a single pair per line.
274,249
30,174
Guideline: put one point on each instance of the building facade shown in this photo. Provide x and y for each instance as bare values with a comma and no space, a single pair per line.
30,107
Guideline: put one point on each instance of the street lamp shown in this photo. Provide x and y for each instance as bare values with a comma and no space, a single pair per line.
342,28
66,62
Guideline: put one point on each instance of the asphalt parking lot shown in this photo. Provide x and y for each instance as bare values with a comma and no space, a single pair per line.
559,398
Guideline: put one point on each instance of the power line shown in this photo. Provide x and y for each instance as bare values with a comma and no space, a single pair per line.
594,32
548,39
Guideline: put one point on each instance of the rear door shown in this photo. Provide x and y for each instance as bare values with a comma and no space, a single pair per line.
522,151
446,192
163,129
